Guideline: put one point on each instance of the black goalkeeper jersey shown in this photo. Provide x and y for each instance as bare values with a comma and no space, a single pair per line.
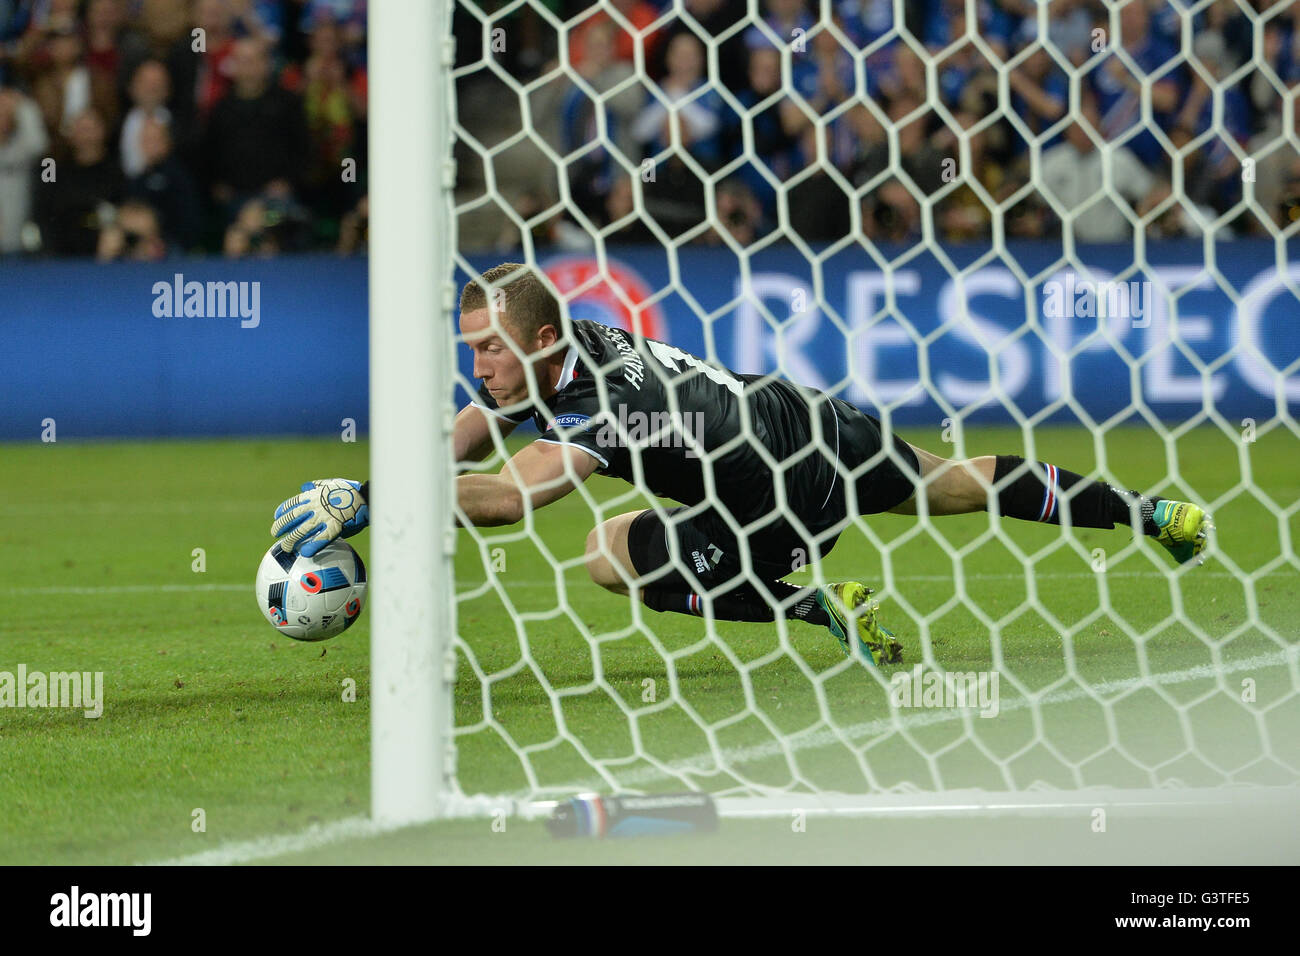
634,417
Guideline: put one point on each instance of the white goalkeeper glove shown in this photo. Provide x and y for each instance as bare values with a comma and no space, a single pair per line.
326,509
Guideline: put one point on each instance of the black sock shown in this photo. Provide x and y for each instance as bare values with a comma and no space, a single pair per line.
1035,495
745,603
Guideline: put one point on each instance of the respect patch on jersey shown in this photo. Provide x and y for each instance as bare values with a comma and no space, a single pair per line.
568,420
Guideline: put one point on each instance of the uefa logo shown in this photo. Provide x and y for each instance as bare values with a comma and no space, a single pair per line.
613,298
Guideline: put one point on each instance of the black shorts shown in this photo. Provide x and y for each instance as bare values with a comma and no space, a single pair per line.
710,554
887,479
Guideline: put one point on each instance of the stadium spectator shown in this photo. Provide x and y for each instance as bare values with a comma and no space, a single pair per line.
1212,173
591,176
895,215
257,138
788,19
919,155
198,67
133,233
22,143
71,208
330,94
774,126
738,211
354,229
824,76
150,91
900,71
818,204
1073,174
965,214
698,117
1276,190
1069,29
1119,92
62,86
638,13
111,44
866,21
165,184
619,204
715,17
1040,93
266,226
160,25
349,16
1172,219
235,129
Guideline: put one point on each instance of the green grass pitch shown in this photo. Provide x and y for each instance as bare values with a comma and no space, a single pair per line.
207,708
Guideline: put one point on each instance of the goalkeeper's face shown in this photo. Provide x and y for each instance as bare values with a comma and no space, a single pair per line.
502,368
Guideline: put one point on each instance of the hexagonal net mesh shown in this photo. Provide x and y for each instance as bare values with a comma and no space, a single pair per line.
1055,231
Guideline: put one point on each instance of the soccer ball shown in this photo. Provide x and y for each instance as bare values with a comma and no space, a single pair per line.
311,599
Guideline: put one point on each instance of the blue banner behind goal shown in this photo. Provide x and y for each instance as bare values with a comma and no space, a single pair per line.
214,347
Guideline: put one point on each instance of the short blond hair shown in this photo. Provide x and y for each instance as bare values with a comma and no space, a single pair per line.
526,300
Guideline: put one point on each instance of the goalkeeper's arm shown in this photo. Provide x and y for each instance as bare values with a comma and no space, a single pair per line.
473,435
539,474
329,508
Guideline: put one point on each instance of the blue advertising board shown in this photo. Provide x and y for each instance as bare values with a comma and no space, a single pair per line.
249,347
215,347
928,339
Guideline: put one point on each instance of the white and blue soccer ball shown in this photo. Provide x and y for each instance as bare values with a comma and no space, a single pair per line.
312,599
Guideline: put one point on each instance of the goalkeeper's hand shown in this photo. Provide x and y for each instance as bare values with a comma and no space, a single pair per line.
326,509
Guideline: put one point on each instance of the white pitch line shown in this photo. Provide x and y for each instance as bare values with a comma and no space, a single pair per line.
244,851
150,507
707,763
322,835
91,589
1081,575
123,589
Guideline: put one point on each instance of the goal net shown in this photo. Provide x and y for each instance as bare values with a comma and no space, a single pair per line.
1056,230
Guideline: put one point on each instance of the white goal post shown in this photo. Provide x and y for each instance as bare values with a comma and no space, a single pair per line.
415,601
411,602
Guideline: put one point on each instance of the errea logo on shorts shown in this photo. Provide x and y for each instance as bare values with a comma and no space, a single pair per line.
705,564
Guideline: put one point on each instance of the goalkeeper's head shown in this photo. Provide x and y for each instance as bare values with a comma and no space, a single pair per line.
512,321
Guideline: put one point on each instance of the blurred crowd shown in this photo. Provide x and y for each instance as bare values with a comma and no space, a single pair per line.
148,128
140,129
959,134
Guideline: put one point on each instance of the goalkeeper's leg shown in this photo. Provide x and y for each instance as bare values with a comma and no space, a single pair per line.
1039,491
629,553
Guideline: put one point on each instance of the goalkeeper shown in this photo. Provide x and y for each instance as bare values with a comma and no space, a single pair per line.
766,472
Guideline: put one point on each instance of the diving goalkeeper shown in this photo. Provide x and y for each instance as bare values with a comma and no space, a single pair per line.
765,472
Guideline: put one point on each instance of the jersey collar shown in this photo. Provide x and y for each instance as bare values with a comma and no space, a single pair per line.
570,370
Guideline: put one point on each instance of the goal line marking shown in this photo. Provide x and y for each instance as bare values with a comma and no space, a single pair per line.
319,836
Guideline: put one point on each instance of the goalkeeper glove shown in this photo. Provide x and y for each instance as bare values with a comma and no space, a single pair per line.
326,509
